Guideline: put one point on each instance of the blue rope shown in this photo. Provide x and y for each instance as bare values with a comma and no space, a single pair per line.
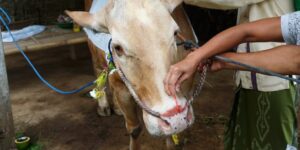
6,15
33,67
256,69
111,59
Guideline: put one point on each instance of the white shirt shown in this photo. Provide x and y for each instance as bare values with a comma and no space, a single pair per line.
290,27
253,12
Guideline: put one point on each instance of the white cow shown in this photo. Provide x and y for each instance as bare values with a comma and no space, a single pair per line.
144,47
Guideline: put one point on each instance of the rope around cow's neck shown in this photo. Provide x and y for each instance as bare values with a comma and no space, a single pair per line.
130,88
136,97
143,105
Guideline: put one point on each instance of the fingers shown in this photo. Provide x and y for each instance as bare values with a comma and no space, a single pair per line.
200,67
171,79
180,80
215,66
178,73
202,64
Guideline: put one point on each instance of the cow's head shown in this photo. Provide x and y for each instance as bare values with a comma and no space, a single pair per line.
144,44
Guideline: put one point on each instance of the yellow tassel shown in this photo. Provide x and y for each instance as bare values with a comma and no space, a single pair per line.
175,139
100,84
101,80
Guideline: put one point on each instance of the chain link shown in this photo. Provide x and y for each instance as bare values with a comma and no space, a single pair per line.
200,83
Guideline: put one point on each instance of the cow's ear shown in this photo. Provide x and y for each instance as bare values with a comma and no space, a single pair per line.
86,19
171,4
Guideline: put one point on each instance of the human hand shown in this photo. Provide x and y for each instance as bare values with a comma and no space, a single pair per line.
179,72
216,65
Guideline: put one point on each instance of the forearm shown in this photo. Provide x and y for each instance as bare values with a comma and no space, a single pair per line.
263,30
223,5
284,60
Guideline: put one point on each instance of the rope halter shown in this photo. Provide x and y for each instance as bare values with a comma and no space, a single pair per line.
188,45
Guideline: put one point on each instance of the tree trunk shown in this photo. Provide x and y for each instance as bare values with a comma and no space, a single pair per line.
6,120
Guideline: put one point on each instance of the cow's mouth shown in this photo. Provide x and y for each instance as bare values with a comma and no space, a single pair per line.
169,125
176,123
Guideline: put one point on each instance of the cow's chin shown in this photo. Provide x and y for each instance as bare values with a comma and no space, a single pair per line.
176,123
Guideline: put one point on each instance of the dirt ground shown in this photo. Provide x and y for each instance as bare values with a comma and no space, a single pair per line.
70,122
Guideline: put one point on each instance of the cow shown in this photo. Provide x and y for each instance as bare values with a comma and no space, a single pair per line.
144,47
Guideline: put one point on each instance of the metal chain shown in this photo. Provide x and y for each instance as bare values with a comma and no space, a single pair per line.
196,92
200,84
189,45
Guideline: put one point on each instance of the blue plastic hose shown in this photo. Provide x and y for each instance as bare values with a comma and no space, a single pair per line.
31,64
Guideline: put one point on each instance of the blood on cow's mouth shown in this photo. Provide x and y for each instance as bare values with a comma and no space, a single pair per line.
174,111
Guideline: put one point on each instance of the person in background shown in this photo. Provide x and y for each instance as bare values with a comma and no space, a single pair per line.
264,112
283,59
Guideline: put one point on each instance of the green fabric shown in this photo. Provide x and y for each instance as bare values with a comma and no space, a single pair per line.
297,5
262,120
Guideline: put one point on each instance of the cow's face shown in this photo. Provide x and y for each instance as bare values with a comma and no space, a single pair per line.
144,47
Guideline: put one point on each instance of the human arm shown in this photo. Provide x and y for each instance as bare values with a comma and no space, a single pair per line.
283,60
224,5
262,30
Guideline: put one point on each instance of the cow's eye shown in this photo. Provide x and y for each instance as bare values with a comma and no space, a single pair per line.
119,50
176,32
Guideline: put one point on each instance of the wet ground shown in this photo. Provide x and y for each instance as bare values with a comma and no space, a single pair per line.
70,122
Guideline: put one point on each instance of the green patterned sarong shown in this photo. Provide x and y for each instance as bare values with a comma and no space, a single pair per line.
263,120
